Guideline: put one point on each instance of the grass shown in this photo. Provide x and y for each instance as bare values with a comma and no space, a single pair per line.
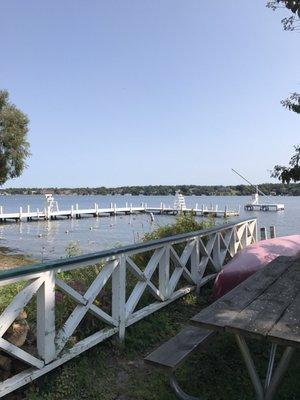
113,372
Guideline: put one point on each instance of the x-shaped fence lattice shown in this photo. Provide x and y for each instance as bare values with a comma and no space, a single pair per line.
171,262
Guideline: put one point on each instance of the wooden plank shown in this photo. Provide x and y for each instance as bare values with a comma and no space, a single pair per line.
13,383
258,318
164,273
79,312
206,279
181,263
154,291
64,287
19,302
119,295
174,352
151,308
46,318
134,297
153,262
102,315
135,269
205,256
185,255
94,310
196,272
224,310
287,330
20,354
140,287
176,275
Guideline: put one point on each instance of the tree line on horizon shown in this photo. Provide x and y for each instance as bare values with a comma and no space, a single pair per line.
163,190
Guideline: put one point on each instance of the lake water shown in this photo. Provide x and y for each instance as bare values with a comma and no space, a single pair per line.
46,240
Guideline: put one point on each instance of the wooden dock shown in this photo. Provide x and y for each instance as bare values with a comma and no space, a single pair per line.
203,211
264,207
113,210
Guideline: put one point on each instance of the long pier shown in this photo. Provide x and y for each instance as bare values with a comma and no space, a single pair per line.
97,211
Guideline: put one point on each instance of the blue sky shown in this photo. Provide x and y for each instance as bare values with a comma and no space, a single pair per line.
136,92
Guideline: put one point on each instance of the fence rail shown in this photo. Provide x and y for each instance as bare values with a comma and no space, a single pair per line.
171,268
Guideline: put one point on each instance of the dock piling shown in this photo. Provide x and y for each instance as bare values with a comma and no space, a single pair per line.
263,233
272,232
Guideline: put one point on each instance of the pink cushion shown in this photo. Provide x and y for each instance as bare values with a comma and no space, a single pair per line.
251,258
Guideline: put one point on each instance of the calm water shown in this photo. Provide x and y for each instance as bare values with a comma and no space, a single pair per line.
48,239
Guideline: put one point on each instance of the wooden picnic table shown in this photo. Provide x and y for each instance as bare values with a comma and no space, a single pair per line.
264,306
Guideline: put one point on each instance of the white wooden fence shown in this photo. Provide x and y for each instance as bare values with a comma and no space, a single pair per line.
176,266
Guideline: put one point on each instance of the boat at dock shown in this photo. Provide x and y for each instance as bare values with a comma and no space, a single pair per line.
254,204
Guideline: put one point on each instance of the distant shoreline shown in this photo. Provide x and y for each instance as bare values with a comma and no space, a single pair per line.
275,189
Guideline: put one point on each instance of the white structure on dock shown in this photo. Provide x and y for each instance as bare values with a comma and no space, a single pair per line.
51,204
255,197
254,205
179,202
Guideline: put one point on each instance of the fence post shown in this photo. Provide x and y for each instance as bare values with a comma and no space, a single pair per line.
232,243
216,252
225,212
195,263
244,235
46,318
255,231
272,232
164,273
119,295
263,233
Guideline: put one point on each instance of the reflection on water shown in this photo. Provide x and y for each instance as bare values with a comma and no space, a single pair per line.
49,239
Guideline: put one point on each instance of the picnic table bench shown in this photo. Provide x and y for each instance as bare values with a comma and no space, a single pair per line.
265,306
170,355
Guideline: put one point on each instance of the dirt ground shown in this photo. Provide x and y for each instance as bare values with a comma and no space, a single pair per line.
9,260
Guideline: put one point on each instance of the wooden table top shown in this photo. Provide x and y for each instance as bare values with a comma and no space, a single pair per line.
266,305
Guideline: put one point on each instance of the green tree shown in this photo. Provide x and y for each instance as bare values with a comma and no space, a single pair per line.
290,173
291,23
14,148
292,103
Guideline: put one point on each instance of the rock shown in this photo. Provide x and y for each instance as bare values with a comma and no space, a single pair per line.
17,332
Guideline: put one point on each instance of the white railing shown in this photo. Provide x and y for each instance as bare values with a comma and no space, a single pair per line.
166,269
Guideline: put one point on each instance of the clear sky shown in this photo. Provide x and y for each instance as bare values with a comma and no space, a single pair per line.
136,92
